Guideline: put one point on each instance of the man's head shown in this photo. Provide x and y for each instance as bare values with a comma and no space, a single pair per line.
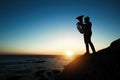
87,19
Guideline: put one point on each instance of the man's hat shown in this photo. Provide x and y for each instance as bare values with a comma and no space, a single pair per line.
80,17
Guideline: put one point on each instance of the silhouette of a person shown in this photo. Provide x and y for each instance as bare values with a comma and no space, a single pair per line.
85,29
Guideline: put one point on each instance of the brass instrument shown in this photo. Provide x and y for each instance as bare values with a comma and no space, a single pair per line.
80,24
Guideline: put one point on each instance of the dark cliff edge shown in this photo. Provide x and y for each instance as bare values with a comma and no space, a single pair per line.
102,65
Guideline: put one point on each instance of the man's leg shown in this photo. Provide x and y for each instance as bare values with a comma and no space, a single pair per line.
86,44
87,48
91,44
92,47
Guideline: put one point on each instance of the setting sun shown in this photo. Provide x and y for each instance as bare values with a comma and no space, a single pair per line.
69,53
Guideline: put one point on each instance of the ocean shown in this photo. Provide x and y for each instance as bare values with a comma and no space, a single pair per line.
29,64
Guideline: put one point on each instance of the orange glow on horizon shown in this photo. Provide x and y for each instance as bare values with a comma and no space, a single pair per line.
69,53
46,52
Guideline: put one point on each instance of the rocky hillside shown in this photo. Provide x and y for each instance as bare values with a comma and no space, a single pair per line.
103,65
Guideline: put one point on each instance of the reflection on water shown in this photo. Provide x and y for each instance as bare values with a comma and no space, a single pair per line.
27,65
30,63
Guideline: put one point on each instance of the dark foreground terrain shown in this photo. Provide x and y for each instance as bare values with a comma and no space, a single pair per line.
103,65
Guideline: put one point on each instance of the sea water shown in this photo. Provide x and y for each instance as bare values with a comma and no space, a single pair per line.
29,64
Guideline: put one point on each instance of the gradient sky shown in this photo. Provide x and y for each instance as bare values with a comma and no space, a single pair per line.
49,26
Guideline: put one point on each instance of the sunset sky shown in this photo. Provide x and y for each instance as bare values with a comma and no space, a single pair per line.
49,26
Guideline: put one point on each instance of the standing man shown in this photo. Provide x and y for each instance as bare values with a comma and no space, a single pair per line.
85,29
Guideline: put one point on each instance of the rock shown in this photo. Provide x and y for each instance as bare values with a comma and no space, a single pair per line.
40,75
102,65
14,78
47,74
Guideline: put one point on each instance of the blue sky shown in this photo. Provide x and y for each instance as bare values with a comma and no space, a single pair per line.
46,26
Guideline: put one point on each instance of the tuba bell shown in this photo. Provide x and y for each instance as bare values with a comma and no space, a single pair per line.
80,24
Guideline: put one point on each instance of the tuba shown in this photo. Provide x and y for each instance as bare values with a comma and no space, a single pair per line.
79,24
